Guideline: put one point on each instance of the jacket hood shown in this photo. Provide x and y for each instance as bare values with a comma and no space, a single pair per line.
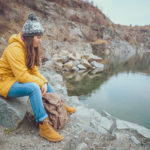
16,38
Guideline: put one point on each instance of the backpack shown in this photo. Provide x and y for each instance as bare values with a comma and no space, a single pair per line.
55,109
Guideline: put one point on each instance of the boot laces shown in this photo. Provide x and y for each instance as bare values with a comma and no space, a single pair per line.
48,124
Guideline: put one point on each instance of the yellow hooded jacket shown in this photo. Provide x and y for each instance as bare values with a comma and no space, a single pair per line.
13,66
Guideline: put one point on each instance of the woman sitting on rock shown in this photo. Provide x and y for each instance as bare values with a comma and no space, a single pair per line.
19,75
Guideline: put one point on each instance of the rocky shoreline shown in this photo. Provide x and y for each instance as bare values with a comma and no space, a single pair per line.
85,130
77,61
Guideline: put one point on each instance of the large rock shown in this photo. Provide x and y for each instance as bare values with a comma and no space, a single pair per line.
134,139
75,68
84,115
123,125
72,57
68,65
88,116
81,67
64,59
91,57
58,65
106,123
97,65
86,63
12,111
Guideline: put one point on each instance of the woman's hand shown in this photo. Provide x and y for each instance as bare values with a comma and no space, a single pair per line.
44,89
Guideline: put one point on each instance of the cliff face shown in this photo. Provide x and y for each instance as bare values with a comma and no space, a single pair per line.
71,25
136,35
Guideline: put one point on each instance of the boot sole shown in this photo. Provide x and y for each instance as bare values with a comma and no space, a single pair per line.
51,140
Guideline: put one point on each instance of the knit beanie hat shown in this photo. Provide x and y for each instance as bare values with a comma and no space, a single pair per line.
32,26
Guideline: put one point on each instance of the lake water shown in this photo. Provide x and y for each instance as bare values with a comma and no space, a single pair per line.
122,89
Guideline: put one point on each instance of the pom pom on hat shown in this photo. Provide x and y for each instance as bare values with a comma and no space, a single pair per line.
32,17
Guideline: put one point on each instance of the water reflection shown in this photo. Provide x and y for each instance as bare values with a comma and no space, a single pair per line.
123,89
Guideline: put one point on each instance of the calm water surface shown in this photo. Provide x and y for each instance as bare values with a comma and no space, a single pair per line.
122,89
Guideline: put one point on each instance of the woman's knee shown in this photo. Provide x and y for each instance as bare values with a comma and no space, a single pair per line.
34,87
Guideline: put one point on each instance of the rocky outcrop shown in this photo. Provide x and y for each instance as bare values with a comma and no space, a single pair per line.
135,35
12,111
76,61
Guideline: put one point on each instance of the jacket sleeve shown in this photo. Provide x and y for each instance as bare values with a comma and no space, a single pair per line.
16,59
36,72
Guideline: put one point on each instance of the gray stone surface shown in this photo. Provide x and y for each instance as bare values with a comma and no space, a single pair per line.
102,130
82,146
81,67
97,65
83,114
134,139
106,123
12,111
132,126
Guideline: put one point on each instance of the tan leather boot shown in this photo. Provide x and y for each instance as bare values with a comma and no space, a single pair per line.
70,110
47,131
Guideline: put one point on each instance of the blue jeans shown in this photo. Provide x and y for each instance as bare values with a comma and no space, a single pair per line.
34,92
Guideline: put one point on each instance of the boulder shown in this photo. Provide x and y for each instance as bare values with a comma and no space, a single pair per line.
12,111
58,65
86,63
122,125
69,65
84,115
86,56
106,123
72,57
64,59
76,62
101,130
75,68
92,57
134,139
60,59
81,67
97,65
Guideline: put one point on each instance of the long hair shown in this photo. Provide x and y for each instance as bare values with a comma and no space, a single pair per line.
32,53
